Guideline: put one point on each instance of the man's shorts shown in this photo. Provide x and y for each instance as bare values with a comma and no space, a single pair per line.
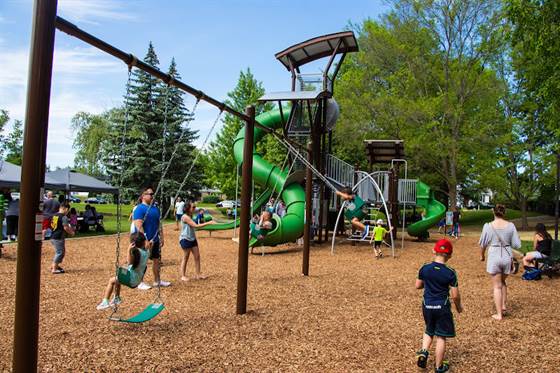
187,245
156,251
439,320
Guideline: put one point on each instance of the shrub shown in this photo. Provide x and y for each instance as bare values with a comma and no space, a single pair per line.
210,199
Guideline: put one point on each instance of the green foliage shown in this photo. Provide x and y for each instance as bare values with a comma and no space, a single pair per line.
90,131
14,144
4,119
210,199
434,89
222,166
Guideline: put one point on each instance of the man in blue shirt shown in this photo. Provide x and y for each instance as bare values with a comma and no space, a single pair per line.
147,220
438,280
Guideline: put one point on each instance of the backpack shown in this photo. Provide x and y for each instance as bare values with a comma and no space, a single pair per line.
532,274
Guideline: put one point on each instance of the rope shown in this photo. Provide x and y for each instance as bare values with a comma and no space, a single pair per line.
194,161
119,204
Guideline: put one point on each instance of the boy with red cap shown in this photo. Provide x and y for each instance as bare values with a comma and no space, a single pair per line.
438,280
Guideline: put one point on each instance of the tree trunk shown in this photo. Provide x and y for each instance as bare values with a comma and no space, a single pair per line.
523,206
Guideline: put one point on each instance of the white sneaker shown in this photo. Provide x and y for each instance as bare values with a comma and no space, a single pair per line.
162,284
116,300
144,286
103,305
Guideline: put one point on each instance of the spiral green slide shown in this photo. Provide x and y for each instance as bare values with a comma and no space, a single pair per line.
290,227
435,210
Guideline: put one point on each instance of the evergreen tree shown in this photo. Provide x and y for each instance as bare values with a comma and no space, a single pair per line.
4,119
177,137
141,165
221,173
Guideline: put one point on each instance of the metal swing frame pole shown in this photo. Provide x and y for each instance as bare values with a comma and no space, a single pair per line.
246,179
28,277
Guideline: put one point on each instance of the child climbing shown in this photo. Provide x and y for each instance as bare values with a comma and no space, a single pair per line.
379,233
260,230
354,210
188,242
438,280
130,276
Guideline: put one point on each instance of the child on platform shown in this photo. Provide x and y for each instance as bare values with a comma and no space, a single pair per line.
379,233
437,280
130,276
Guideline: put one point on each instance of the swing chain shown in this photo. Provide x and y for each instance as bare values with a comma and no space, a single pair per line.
119,204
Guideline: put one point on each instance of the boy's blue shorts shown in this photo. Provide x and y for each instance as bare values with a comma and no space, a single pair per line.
439,320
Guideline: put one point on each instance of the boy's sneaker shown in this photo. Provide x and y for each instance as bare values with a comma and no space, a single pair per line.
144,286
444,367
422,358
162,284
366,233
103,305
116,300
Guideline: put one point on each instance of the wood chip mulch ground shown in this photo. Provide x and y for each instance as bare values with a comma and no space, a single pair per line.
353,313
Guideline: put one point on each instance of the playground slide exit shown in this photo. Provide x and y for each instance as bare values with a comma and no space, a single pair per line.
435,210
290,227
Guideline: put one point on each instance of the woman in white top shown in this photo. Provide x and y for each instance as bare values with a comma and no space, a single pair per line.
500,237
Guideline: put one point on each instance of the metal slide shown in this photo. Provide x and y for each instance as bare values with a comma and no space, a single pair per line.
290,227
435,210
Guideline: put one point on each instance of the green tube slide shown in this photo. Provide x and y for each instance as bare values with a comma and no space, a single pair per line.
290,227
435,210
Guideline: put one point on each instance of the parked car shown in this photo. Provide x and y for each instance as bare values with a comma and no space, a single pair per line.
228,204
95,200
74,199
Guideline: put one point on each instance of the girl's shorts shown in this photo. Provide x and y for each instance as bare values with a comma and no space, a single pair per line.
186,244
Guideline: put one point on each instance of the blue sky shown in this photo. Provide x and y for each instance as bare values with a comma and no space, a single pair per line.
212,41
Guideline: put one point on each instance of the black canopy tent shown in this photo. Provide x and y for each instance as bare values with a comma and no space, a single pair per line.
72,181
10,176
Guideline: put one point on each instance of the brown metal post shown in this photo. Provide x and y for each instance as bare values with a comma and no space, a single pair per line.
246,177
308,207
26,326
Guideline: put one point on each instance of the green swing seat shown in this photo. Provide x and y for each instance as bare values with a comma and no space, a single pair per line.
151,311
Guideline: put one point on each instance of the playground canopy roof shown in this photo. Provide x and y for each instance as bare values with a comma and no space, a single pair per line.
316,48
295,96
384,151
75,181
10,176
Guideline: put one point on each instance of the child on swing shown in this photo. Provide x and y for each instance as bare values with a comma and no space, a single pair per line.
260,229
130,276
354,210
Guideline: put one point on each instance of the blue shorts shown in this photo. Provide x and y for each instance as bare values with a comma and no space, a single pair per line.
187,245
439,320
178,217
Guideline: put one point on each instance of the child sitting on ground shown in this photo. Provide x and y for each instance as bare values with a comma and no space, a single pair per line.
260,229
437,279
379,233
130,276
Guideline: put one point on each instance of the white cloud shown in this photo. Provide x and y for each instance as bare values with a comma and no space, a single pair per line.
88,11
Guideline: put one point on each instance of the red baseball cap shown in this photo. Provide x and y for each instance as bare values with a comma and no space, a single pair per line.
443,246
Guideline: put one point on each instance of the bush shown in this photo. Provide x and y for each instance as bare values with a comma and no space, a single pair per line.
210,199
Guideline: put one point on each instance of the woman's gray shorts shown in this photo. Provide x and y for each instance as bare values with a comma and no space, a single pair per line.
499,260
59,250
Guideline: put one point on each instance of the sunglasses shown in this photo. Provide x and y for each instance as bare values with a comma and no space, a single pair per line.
149,194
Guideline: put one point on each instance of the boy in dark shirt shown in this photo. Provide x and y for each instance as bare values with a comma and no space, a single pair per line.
438,280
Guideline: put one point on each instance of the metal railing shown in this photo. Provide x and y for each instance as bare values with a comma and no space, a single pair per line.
407,191
341,172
